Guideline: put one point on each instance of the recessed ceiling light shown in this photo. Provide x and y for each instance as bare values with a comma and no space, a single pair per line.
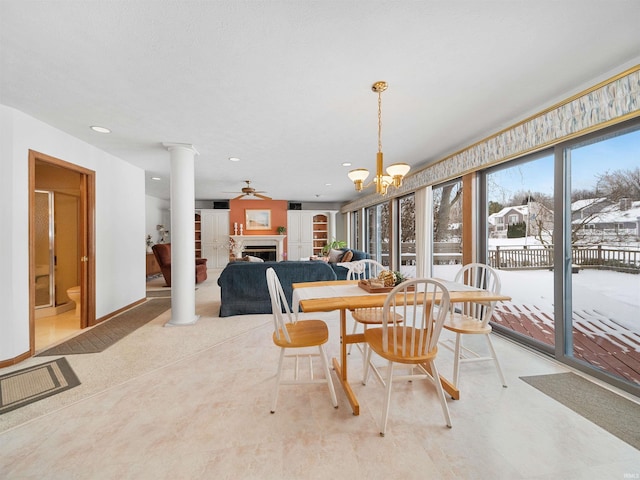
156,178
99,129
346,164
234,159
327,184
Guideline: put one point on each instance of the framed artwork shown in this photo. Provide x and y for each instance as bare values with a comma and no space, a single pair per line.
257,219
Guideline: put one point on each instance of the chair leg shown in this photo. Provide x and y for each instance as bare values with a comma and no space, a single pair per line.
327,373
457,351
365,373
436,382
368,367
365,357
278,375
495,361
353,332
387,400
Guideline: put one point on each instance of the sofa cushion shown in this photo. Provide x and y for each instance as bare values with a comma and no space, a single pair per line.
243,285
348,255
335,255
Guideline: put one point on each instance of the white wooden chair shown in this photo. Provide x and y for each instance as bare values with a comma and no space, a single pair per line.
364,270
290,333
413,341
473,318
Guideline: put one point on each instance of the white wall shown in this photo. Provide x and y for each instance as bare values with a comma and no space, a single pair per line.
157,213
120,223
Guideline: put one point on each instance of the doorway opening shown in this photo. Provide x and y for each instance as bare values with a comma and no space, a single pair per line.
61,243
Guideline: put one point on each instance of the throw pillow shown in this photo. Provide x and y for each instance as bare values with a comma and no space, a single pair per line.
348,255
335,255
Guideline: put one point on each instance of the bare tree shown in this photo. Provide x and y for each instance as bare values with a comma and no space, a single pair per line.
620,184
444,200
408,219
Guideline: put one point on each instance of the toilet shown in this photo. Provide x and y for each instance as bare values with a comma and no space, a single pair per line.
74,294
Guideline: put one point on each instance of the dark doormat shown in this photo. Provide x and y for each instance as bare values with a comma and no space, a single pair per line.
160,293
105,334
616,414
31,384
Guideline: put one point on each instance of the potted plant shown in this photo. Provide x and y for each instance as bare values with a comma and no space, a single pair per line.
281,230
149,244
333,245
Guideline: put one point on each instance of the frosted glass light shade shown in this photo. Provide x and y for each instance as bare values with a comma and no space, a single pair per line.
359,174
398,169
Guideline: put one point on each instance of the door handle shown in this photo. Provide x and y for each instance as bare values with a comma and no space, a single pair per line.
84,259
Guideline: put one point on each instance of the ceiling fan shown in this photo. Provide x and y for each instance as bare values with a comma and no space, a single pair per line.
249,191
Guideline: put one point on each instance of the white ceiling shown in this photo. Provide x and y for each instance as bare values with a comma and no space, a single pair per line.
285,85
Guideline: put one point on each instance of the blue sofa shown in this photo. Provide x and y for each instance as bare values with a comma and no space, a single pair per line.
341,272
243,285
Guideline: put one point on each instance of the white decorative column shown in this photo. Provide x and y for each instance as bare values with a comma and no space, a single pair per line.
183,254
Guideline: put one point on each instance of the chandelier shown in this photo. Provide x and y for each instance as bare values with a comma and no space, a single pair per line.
394,174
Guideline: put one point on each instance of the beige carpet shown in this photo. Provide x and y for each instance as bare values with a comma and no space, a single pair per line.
150,347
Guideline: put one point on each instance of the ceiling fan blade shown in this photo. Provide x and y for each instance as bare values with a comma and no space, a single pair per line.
238,197
264,197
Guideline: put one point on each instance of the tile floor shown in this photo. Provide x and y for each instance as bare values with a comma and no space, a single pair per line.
54,329
193,403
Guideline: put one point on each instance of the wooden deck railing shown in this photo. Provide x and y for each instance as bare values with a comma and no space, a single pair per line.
542,257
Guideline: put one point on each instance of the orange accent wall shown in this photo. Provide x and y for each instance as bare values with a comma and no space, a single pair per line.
278,214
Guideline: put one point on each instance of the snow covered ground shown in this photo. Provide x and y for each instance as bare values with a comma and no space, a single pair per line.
611,294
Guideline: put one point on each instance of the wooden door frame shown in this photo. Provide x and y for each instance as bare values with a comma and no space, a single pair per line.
86,229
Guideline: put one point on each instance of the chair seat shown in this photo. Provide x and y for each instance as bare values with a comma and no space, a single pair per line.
371,316
305,333
460,323
373,336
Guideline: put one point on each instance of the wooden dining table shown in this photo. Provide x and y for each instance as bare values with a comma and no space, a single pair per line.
343,295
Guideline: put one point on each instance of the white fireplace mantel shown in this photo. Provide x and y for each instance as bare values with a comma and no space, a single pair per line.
250,240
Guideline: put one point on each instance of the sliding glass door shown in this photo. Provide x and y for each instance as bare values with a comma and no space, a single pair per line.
519,227
563,231
603,288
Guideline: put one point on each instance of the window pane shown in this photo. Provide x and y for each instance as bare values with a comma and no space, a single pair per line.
447,230
378,232
407,236
520,227
605,285
355,230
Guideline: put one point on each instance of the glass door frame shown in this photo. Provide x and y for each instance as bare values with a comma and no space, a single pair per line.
483,244
563,294
562,351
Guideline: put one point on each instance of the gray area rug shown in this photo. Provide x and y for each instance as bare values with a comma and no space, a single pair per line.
159,293
31,384
105,334
166,293
617,415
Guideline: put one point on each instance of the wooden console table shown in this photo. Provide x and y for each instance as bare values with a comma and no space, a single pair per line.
152,265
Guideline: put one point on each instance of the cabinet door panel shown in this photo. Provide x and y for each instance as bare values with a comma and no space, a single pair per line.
215,237
306,227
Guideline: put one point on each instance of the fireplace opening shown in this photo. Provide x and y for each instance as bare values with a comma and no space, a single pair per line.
265,252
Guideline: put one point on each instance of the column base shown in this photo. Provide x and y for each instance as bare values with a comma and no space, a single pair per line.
173,323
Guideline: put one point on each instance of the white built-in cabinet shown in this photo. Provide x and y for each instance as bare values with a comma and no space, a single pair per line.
308,231
214,236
